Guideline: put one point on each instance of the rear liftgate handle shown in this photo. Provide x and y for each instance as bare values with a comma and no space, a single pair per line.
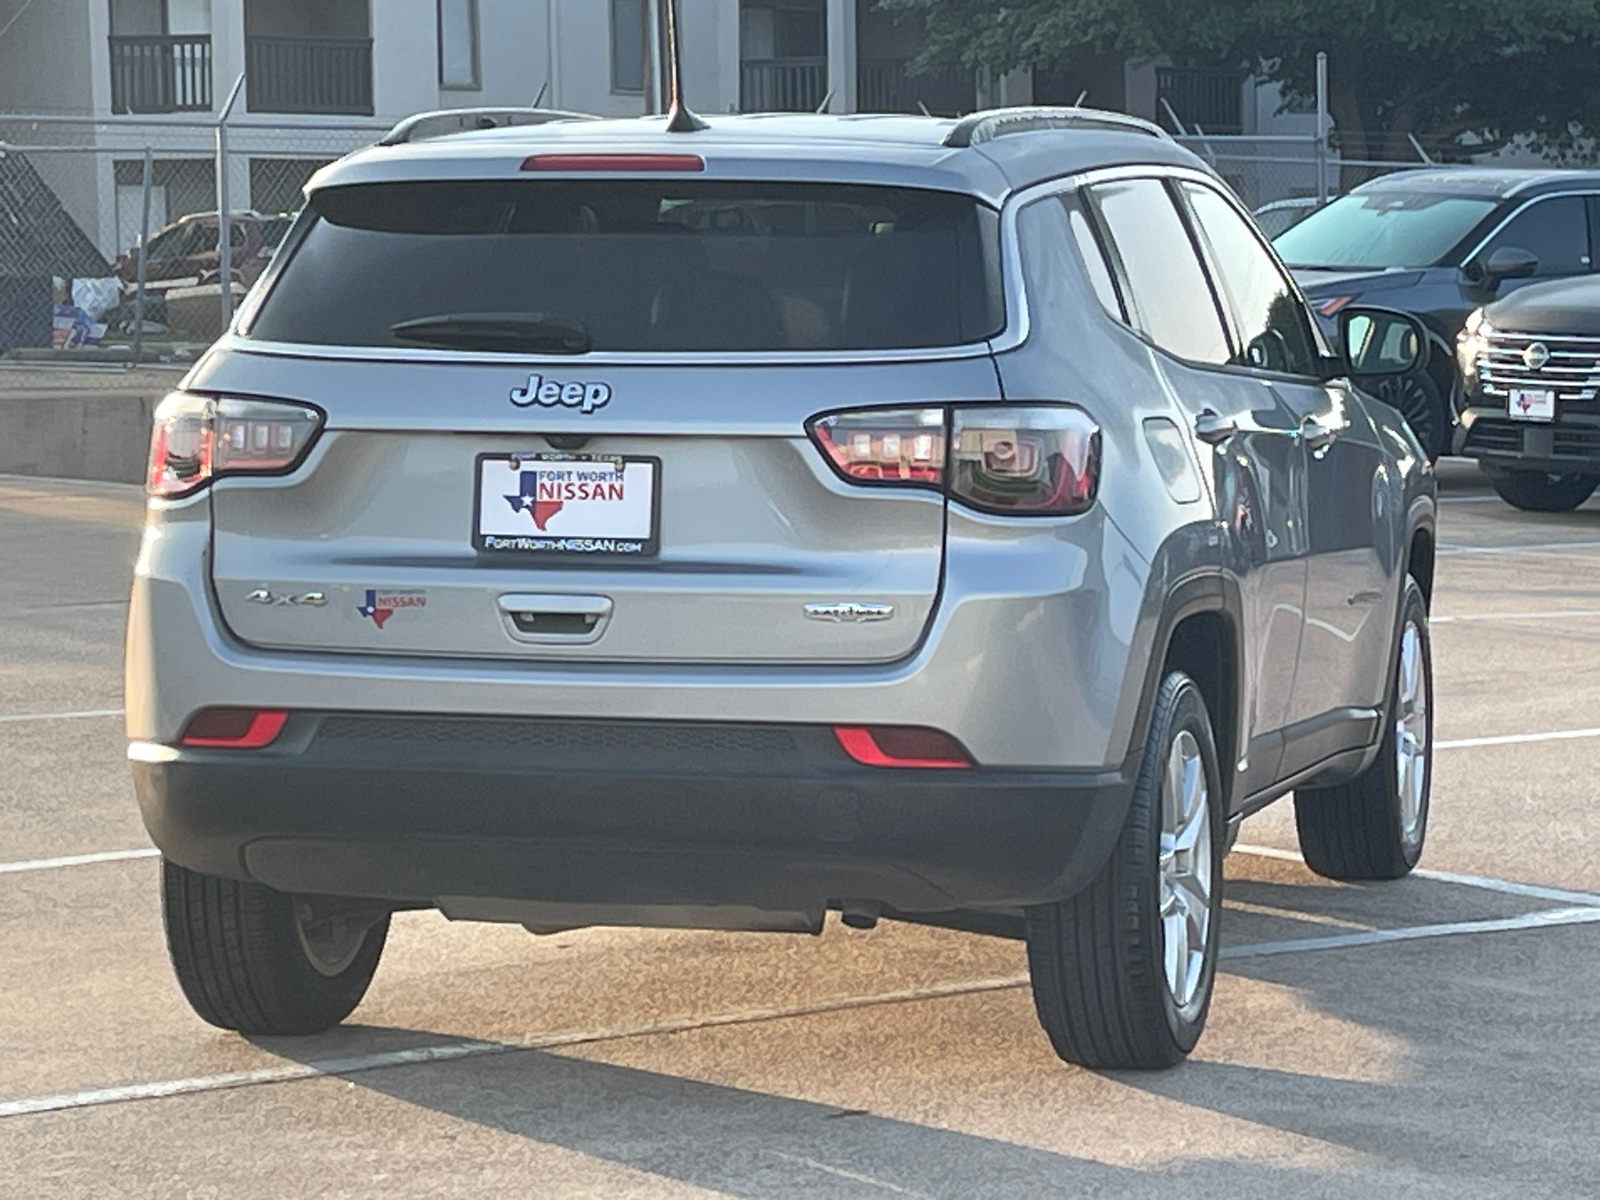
555,617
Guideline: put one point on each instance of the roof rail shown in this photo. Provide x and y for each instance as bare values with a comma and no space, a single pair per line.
997,122
446,121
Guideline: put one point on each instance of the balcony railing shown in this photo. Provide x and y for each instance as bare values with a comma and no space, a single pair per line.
1208,97
782,84
885,85
310,75
161,74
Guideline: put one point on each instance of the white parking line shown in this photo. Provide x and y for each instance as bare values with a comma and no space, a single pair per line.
1518,739
1560,614
76,860
60,716
456,1051
1532,891
1546,548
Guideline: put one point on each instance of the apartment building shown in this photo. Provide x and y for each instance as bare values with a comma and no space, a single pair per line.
321,76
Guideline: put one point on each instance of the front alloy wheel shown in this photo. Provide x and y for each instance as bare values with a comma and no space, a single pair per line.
1373,827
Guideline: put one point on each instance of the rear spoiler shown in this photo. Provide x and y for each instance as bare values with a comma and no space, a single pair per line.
447,121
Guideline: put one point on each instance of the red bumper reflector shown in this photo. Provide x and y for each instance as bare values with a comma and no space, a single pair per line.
614,162
897,746
234,728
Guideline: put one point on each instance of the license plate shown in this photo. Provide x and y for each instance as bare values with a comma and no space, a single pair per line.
1532,404
567,504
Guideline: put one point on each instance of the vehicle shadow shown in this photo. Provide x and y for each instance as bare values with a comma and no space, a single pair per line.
1449,1066
741,1142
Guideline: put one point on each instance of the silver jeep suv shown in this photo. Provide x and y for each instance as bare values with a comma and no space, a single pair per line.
591,523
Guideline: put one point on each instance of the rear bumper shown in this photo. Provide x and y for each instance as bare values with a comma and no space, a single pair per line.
637,814
1498,442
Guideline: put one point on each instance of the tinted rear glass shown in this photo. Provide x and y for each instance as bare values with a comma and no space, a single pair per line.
645,264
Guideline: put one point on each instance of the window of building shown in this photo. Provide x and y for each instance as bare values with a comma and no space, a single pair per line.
458,44
1170,297
630,37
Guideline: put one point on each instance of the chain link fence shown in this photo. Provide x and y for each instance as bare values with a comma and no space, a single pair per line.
110,240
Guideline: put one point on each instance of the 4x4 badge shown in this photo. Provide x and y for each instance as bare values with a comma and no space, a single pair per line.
547,393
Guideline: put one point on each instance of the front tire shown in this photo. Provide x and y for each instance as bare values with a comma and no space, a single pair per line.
1540,491
1417,397
1373,827
261,962
1122,971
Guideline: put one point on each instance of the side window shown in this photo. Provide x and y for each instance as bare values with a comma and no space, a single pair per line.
1271,321
1094,257
1168,295
1556,232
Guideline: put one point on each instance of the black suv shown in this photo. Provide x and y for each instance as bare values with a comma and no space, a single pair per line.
1531,363
1440,243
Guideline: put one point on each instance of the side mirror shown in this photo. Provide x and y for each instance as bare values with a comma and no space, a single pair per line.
1508,262
1379,341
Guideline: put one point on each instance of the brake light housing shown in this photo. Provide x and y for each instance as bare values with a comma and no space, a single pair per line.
1033,460
196,439
902,746
234,728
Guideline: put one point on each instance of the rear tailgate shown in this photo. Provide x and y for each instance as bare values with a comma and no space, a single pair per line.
377,543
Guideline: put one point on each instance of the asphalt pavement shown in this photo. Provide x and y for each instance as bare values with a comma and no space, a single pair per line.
1435,1036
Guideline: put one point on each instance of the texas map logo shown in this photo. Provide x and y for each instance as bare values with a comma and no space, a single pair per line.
380,606
543,498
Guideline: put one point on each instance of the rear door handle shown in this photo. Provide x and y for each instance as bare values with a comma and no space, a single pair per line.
1316,435
1212,428
556,617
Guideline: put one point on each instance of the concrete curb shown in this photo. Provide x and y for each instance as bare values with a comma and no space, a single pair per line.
102,435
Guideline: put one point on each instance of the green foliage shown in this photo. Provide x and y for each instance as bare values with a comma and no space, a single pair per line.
1439,69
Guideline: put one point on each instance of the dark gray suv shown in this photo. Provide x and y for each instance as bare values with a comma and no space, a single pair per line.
593,523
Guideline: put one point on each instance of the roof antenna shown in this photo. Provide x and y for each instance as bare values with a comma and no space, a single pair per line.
679,118
826,100
1078,103
543,87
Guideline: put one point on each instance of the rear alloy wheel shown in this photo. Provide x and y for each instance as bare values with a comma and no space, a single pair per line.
1123,970
261,962
1373,827
1540,491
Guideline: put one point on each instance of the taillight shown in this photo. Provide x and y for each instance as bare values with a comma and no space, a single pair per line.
196,439
901,746
904,445
234,728
1041,460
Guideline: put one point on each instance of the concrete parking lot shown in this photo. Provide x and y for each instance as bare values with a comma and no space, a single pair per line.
1436,1036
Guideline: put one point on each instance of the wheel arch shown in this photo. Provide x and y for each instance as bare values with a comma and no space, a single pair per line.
1199,633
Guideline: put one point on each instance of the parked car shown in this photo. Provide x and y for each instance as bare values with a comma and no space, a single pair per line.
599,524
1439,243
188,250
1531,363
1280,215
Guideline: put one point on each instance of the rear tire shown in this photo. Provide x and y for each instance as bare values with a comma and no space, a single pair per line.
1540,491
262,962
1374,826
1122,971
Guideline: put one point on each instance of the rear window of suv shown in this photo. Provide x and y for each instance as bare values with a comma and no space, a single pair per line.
640,265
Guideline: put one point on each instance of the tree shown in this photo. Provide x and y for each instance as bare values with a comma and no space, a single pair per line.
1464,74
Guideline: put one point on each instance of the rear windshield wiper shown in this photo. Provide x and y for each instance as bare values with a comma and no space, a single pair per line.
531,332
